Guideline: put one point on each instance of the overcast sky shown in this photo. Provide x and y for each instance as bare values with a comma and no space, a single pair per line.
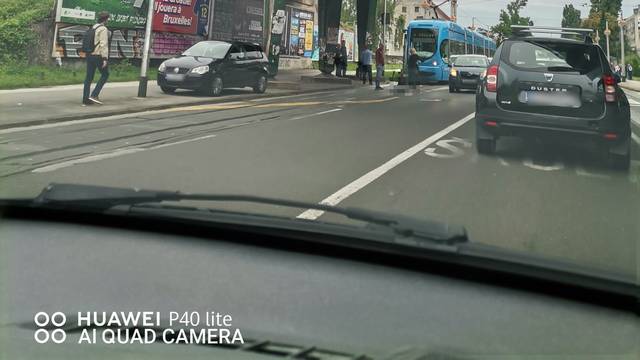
542,12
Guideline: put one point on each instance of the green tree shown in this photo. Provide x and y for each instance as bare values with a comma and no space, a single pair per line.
510,16
571,17
401,23
349,12
601,12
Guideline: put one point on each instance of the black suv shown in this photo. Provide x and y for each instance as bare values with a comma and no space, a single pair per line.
546,87
211,66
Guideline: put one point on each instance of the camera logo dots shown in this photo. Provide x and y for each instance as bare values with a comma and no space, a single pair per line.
50,327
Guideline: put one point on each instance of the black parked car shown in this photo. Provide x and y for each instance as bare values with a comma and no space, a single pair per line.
544,87
211,66
466,71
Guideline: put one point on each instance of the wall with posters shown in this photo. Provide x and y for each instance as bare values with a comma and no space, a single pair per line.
241,20
178,24
123,43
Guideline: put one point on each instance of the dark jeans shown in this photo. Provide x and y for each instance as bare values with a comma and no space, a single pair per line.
341,69
367,71
413,77
94,63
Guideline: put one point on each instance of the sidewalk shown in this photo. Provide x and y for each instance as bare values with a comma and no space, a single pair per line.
26,107
631,85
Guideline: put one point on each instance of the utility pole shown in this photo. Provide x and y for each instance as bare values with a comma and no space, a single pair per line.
454,10
142,86
622,42
607,33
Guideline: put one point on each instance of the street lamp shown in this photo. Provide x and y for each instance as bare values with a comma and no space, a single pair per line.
142,85
621,23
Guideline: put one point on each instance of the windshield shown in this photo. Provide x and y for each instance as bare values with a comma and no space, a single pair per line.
471,61
424,41
208,49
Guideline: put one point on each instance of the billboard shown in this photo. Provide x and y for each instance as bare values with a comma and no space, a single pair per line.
240,20
181,16
124,13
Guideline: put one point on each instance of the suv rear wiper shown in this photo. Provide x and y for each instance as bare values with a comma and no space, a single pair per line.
562,68
101,198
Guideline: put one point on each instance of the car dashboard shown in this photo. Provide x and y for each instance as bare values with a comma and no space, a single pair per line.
285,302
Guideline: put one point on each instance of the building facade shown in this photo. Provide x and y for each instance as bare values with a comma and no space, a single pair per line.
405,12
631,27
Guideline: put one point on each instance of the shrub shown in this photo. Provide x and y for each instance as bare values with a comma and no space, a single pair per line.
16,18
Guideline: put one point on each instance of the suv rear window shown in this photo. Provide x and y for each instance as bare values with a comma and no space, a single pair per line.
554,56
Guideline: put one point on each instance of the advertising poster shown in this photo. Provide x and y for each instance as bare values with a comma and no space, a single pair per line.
308,43
180,16
350,39
124,13
301,33
241,20
315,55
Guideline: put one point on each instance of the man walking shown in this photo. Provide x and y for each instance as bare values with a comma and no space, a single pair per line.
379,66
629,71
96,47
366,59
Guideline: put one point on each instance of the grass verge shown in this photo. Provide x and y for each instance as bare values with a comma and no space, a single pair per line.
19,76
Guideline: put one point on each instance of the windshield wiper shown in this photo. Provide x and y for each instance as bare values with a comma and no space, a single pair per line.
101,198
562,68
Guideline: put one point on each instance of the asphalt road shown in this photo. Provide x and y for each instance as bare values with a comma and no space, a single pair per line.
411,153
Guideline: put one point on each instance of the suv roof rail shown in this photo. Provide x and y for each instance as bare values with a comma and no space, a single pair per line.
525,31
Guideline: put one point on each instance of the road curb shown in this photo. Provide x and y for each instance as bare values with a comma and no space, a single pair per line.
137,109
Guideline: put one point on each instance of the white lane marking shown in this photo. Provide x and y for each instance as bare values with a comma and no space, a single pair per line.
635,138
315,114
555,167
431,100
376,173
503,162
111,155
451,150
436,89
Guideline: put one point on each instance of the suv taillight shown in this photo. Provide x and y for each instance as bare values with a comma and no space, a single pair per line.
609,83
492,78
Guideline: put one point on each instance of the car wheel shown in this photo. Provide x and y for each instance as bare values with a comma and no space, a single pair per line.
621,162
216,86
486,146
261,85
167,90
